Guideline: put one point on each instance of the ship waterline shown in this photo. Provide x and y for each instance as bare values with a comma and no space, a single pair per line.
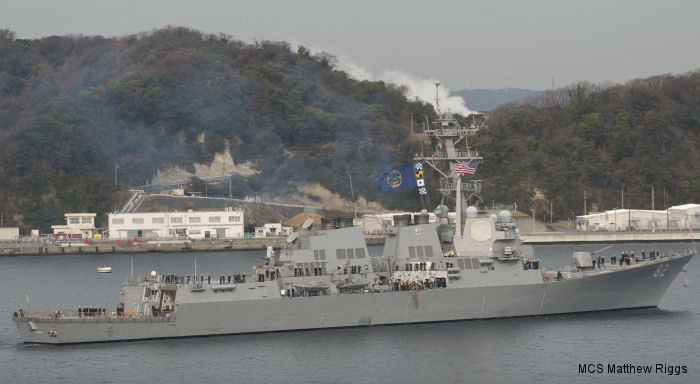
471,267
640,285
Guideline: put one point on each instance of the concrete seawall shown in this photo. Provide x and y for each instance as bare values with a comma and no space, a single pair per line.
213,245
607,237
32,248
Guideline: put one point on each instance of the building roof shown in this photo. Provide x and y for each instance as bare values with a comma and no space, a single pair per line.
621,212
299,219
685,206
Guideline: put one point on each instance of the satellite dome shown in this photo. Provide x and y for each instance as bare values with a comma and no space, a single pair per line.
504,217
472,211
154,273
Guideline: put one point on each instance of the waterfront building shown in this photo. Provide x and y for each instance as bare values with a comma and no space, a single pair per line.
273,230
82,224
177,225
9,233
681,217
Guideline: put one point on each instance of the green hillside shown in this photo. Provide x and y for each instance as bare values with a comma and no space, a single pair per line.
601,139
72,106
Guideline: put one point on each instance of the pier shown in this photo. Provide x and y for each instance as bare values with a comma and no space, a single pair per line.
96,247
608,237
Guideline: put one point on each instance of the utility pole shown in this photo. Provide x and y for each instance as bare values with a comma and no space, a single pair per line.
352,192
653,223
551,211
666,206
533,219
585,207
629,217
622,190
116,166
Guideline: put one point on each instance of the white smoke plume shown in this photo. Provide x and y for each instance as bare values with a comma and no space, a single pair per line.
423,89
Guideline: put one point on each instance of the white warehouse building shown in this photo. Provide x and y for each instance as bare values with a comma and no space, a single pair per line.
169,225
681,217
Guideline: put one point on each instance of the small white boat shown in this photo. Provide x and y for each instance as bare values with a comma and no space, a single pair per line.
104,269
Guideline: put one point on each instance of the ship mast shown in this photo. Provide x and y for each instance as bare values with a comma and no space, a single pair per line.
448,133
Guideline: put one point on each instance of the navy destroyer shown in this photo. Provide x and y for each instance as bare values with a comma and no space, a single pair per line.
460,265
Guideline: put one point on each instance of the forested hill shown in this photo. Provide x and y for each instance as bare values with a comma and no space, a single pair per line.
597,138
70,107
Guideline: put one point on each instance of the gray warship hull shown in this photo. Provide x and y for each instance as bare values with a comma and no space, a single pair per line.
469,267
205,313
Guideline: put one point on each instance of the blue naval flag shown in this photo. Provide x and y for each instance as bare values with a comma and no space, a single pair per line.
403,177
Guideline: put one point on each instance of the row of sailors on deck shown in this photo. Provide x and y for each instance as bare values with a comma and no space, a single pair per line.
237,278
269,274
421,266
628,258
172,279
351,269
400,285
176,279
91,311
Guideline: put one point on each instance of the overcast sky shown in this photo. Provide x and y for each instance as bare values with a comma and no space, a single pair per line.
477,44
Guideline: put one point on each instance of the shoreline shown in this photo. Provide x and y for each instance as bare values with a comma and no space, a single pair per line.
546,238
98,247
261,243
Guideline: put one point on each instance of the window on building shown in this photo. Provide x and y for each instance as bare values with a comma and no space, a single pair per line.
158,220
176,220
86,220
74,220
137,220
195,219
234,219
117,221
214,219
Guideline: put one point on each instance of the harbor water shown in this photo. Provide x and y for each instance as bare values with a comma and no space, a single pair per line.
523,350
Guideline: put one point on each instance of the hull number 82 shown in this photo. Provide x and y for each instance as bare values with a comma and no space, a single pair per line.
661,270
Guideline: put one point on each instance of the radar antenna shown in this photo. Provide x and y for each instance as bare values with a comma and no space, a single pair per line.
446,133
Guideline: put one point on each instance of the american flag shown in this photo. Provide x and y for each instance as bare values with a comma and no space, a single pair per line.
465,168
